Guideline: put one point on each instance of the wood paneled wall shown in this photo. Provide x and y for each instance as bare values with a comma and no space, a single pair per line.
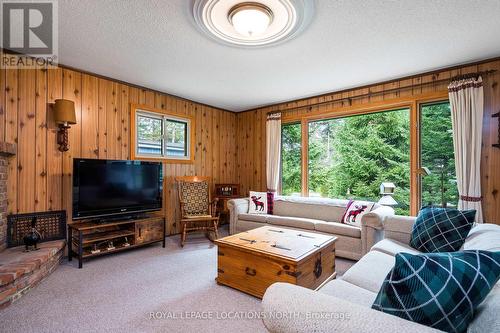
251,124
40,176
229,147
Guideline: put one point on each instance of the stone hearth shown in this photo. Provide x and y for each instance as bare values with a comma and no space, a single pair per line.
20,271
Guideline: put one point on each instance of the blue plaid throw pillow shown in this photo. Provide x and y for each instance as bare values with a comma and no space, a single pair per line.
440,290
441,229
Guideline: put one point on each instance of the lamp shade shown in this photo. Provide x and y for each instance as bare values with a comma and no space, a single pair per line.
387,188
387,200
64,111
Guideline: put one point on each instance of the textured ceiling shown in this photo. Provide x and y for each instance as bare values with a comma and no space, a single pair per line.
154,43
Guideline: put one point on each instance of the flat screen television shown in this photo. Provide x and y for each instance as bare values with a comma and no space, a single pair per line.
103,188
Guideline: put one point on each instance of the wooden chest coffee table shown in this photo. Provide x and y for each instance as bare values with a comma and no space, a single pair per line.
253,260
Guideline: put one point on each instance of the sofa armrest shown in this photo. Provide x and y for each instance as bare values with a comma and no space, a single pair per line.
236,207
399,227
289,308
372,225
376,218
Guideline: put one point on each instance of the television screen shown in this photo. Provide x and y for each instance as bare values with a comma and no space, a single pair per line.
107,187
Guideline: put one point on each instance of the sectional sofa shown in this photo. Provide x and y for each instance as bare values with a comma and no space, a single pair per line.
316,215
347,301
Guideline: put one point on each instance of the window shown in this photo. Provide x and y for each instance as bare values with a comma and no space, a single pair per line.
176,144
439,187
350,157
291,166
159,135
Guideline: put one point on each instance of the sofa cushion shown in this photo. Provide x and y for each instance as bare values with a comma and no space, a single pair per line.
483,237
355,211
257,203
338,229
393,247
348,247
294,222
441,229
345,290
247,225
486,315
370,271
253,217
314,208
440,290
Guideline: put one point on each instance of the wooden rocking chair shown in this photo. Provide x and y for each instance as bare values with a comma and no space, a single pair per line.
198,211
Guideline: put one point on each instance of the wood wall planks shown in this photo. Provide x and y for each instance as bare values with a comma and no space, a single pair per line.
40,176
54,156
41,140
229,147
251,124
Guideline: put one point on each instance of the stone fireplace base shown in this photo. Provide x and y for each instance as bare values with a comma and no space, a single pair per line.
20,271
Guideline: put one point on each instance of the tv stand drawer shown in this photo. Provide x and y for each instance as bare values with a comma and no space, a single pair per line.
149,230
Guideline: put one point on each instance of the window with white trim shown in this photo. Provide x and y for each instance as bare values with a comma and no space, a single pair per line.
159,135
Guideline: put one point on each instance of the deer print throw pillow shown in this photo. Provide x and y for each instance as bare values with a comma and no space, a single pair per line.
355,211
258,203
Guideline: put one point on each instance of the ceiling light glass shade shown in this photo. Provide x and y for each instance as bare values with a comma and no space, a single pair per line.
250,20
252,23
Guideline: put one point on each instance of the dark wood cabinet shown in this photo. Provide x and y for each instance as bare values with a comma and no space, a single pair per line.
224,193
148,231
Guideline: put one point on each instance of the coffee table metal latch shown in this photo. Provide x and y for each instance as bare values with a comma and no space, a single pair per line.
281,247
251,241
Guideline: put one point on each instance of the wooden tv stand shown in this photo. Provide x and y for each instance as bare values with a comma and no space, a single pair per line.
93,238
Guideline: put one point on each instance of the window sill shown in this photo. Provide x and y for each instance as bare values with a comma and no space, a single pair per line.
163,160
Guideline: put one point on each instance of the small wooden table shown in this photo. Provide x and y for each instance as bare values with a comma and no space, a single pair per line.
253,260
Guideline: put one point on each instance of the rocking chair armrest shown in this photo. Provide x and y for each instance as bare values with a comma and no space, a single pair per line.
213,207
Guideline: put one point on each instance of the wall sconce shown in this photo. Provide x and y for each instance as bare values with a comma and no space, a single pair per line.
64,115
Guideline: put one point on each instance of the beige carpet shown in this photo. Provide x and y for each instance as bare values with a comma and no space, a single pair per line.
118,293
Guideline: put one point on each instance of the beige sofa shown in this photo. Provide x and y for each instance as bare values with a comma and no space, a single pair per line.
316,215
347,301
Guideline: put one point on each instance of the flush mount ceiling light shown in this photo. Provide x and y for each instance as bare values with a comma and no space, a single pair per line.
250,19
252,23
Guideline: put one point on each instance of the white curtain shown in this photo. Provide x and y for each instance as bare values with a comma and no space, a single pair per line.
466,101
273,150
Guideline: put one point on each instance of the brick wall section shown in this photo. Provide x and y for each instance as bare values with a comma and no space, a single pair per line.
3,202
21,271
6,150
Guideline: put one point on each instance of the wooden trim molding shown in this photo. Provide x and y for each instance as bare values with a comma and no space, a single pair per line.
133,128
386,105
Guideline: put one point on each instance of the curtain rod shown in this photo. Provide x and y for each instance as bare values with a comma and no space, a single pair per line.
392,90
472,75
